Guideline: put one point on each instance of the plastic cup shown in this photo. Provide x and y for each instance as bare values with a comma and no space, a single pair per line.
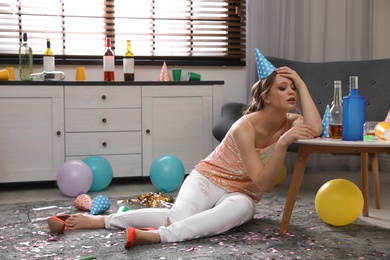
80,73
382,130
193,76
176,73
369,129
11,73
4,74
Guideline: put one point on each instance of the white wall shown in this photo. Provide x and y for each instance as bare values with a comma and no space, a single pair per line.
381,29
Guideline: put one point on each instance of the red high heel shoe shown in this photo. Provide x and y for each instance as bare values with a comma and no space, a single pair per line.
130,234
57,223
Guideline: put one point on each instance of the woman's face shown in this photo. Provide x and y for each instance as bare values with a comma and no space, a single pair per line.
283,93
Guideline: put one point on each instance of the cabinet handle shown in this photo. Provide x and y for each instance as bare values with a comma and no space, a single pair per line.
104,120
104,97
104,144
148,131
58,132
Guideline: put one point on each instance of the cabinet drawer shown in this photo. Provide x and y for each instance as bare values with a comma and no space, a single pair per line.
102,96
127,165
95,120
103,143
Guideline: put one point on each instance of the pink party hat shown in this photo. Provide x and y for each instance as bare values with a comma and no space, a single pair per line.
388,117
164,74
264,67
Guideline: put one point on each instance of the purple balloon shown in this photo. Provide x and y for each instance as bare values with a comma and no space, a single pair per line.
74,178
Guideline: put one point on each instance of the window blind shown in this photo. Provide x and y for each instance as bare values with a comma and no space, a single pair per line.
156,28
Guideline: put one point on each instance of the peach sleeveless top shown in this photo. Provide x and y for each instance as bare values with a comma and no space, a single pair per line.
224,168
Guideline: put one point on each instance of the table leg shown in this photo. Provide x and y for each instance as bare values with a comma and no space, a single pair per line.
364,169
296,180
375,178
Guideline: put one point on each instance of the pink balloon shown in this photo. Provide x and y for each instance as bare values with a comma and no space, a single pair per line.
74,177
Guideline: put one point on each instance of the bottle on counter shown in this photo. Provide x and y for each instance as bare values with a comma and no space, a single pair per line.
353,113
335,116
48,59
128,63
25,60
49,75
109,62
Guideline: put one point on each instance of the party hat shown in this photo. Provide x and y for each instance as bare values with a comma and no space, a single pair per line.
164,74
388,117
325,123
264,67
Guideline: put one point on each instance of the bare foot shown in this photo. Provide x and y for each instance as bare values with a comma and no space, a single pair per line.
85,221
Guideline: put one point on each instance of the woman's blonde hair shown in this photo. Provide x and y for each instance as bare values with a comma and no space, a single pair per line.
259,89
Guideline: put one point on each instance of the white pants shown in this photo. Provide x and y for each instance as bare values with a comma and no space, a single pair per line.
201,209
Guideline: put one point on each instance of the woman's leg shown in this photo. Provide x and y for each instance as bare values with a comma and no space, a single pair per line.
196,194
231,210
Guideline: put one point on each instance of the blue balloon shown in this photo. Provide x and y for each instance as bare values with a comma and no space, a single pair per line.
101,172
167,173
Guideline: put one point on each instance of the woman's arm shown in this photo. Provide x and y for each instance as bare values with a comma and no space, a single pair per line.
310,114
265,176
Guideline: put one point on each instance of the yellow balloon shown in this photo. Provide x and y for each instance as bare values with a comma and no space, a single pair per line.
282,175
339,202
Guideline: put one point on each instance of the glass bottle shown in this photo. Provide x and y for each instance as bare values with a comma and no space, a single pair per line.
353,113
335,117
25,60
48,59
109,62
49,75
128,63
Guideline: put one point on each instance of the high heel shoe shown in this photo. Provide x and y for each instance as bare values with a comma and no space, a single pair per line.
57,223
130,234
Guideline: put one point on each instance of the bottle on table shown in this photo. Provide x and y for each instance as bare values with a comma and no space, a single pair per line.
353,113
335,116
109,62
48,59
128,63
25,60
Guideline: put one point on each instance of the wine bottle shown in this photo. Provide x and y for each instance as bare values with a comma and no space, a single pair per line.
48,59
49,75
128,63
25,60
353,113
109,62
335,117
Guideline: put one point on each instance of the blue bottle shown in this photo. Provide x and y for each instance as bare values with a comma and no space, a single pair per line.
353,113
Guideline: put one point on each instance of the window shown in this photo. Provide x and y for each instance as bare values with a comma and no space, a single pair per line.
158,29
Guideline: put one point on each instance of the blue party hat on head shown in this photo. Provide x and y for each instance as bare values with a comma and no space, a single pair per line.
264,67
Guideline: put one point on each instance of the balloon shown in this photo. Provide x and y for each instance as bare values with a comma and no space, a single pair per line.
282,175
74,177
339,202
167,173
101,172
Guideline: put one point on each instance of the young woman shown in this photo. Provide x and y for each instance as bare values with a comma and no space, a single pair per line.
221,192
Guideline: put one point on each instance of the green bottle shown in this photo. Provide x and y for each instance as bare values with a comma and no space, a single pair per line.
25,60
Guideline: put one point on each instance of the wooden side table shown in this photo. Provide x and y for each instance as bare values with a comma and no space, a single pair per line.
335,146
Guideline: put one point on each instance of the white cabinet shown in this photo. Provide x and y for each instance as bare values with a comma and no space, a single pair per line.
31,132
178,120
42,126
105,121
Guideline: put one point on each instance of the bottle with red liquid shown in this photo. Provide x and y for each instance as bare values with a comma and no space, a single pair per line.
109,62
